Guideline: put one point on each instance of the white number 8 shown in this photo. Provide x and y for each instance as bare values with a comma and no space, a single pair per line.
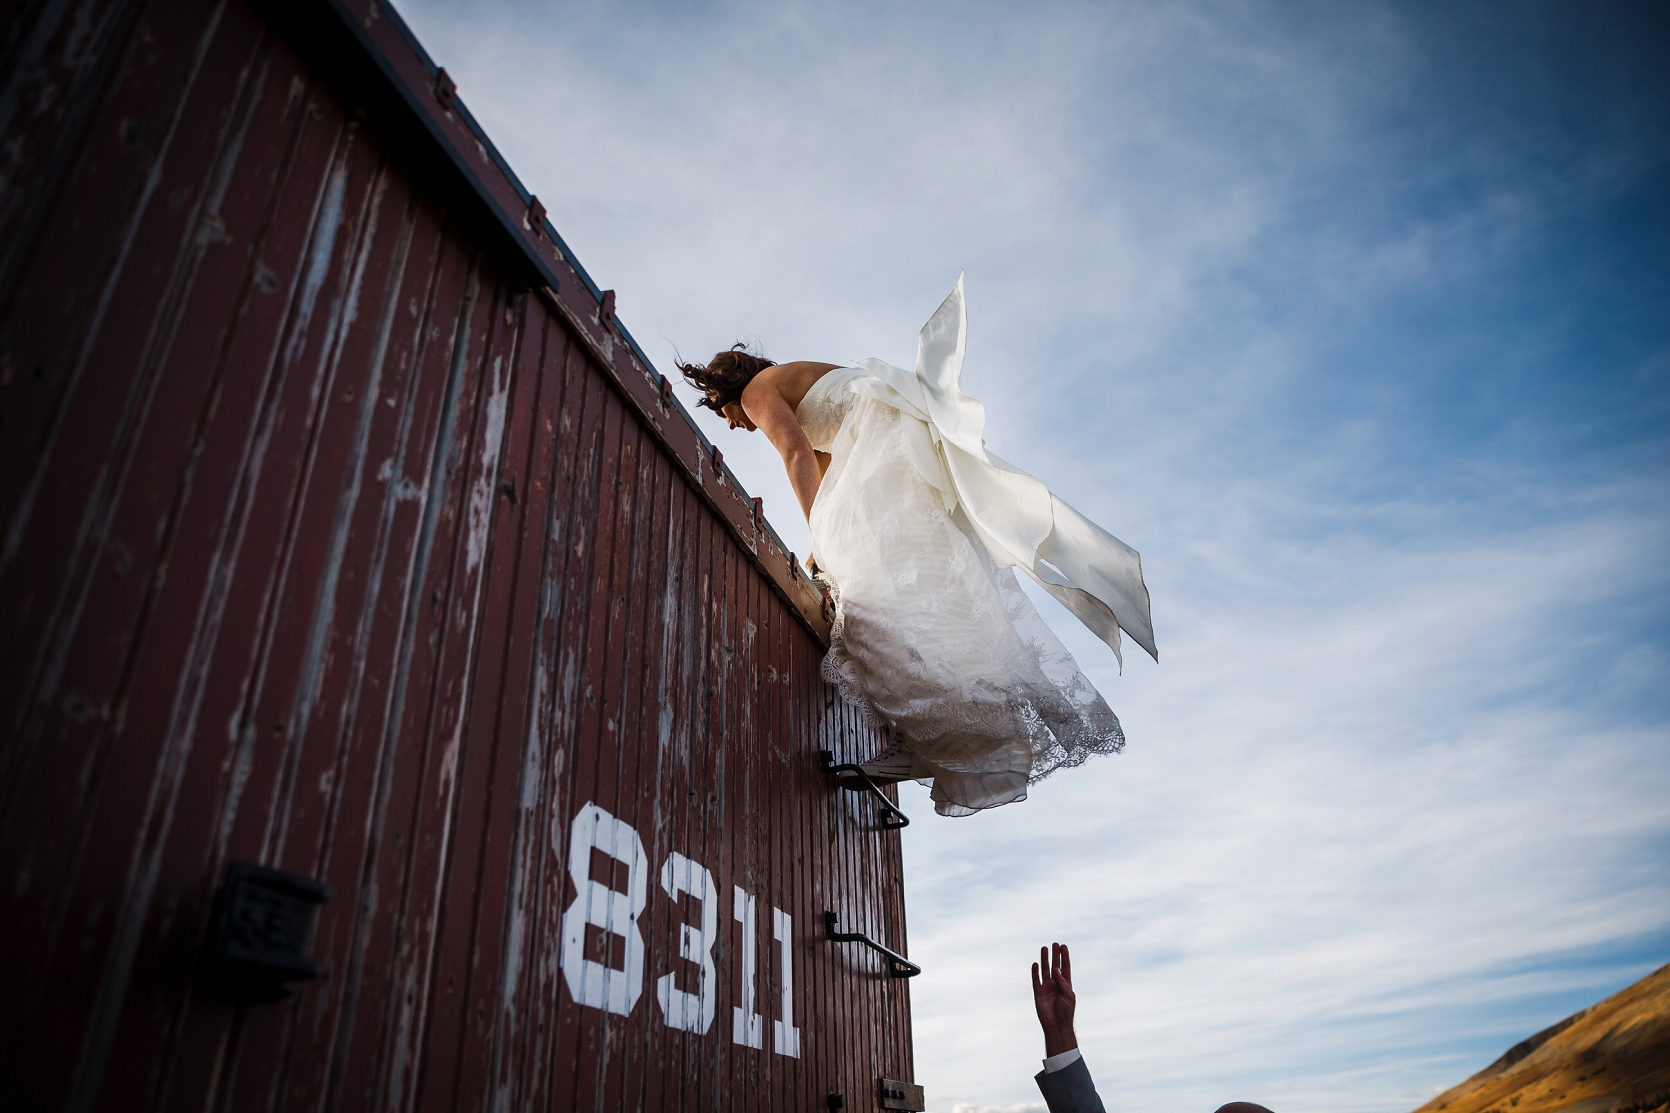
591,982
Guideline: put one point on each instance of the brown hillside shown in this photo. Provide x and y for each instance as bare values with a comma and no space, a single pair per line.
1613,1057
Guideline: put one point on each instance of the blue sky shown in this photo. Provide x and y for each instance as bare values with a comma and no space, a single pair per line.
1353,320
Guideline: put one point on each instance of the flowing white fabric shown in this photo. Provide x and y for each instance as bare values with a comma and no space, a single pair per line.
917,529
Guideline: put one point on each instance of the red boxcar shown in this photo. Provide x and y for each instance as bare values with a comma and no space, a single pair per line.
347,533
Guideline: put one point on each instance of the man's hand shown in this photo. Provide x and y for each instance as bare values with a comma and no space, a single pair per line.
1052,993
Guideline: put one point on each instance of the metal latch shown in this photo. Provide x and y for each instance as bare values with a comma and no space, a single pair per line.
901,1095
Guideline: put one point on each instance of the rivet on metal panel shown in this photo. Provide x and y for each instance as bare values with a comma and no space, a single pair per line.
535,220
446,89
606,309
759,513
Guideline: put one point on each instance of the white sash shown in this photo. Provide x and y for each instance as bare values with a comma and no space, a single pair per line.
1090,571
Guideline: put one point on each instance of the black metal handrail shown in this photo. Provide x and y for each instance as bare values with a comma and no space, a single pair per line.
898,966
894,819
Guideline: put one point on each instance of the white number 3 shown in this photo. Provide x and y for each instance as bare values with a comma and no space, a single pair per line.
691,1012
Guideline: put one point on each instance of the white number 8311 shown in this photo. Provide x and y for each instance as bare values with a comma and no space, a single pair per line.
595,904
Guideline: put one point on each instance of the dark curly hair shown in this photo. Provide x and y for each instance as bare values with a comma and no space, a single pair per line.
723,378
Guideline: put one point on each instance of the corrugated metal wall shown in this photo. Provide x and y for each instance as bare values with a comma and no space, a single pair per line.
340,538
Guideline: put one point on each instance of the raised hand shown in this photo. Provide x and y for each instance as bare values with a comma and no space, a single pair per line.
1052,994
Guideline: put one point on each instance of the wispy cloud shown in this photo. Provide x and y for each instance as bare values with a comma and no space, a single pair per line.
1349,318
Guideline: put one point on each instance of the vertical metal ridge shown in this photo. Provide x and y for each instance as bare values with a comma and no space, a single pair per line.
113,981
526,845
397,488
434,496
43,668
481,504
110,42
348,504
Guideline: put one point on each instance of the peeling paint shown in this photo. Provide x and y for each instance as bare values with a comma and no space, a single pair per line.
481,495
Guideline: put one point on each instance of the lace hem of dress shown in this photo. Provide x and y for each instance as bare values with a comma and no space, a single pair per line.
1061,731
831,670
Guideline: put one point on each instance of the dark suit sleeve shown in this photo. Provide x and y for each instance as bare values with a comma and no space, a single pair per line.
1070,1090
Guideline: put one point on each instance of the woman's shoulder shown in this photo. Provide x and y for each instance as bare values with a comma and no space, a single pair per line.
791,380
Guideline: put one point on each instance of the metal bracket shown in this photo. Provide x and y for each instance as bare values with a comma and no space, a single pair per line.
898,966
854,778
901,1095
259,930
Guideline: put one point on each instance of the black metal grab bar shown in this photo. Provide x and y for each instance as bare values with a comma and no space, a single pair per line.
898,966
894,819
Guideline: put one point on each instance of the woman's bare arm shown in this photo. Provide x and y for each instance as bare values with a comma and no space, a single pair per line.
771,415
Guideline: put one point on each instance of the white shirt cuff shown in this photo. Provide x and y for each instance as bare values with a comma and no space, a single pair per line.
1062,1061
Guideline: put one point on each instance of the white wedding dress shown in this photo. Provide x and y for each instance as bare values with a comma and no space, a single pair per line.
917,531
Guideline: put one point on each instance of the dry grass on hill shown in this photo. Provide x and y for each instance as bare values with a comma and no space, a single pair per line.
1613,1057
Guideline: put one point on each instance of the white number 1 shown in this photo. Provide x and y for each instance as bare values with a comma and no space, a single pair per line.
746,1027
786,1035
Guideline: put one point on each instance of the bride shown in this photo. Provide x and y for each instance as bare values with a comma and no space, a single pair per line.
917,530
